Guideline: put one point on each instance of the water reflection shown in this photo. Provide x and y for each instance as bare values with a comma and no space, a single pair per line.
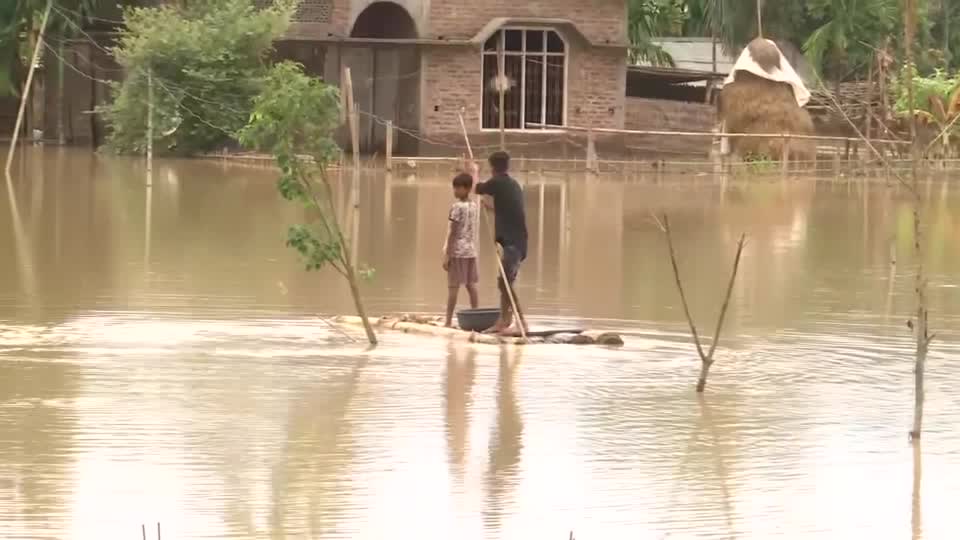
209,397
458,397
309,476
506,442
36,446
916,508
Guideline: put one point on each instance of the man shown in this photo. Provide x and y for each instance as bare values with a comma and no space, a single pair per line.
511,230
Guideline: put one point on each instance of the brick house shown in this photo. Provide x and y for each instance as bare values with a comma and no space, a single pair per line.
419,62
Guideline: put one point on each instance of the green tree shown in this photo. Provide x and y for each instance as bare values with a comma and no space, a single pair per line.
734,22
649,19
294,118
18,18
205,61
845,33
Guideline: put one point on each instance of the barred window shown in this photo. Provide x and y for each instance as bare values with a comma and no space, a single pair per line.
534,68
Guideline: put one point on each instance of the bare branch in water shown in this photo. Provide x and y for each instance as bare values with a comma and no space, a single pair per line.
706,359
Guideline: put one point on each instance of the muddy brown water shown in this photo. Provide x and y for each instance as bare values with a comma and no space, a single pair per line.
161,360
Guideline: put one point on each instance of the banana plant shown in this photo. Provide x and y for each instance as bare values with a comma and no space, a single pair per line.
944,117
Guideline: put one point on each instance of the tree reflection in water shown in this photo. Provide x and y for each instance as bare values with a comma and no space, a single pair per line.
308,480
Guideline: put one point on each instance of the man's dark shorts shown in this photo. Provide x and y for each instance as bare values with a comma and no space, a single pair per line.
511,264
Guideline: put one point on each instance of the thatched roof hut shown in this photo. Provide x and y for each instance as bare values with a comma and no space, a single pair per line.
764,95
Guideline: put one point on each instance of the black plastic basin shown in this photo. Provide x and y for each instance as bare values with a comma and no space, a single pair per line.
477,320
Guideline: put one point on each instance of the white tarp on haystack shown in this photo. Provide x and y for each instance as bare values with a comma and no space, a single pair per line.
784,73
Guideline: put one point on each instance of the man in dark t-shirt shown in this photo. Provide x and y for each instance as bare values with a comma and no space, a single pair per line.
511,228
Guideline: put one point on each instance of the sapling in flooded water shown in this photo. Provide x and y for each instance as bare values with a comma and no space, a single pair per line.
919,322
294,118
706,358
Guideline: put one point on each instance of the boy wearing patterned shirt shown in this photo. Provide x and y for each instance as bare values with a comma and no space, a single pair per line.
460,249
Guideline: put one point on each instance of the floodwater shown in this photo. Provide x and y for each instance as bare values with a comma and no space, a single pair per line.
162,360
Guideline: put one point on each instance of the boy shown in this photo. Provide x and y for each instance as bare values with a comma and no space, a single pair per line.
511,228
460,249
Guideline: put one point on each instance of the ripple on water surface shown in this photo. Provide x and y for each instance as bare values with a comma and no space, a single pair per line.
159,366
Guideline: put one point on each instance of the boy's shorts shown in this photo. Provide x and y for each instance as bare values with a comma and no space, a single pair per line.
462,271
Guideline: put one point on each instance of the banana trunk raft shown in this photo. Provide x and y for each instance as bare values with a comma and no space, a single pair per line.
433,326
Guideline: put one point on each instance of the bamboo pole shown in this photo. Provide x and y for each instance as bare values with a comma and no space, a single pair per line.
26,88
62,106
710,134
760,18
149,127
591,152
785,157
352,119
389,141
501,88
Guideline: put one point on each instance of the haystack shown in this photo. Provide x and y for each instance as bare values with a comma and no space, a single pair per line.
763,94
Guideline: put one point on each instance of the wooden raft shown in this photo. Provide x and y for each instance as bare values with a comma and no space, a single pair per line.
433,326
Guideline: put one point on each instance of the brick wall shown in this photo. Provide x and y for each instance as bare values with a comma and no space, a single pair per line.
596,88
599,20
596,85
666,115
317,19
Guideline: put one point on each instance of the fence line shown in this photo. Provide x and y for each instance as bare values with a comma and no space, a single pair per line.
712,134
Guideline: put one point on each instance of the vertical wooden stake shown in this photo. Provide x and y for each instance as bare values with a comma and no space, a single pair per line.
26,88
389,158
869,112
591,152
716,151
785,157
61,105
355,136
352,117
149,126
501,88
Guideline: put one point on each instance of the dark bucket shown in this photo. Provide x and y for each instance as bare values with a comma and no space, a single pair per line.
477,320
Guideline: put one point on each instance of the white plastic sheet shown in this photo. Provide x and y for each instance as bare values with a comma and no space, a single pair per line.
785,73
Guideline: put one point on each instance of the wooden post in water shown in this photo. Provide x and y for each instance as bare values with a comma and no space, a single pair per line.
869,107
355,136
149,127
836,162
61,103
26,88
785,157
389,157
352,119
591,152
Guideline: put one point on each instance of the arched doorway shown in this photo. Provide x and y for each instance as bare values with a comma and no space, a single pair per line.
386,76
384,20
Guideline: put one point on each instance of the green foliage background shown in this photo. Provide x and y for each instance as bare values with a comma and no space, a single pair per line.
838,36
208,62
